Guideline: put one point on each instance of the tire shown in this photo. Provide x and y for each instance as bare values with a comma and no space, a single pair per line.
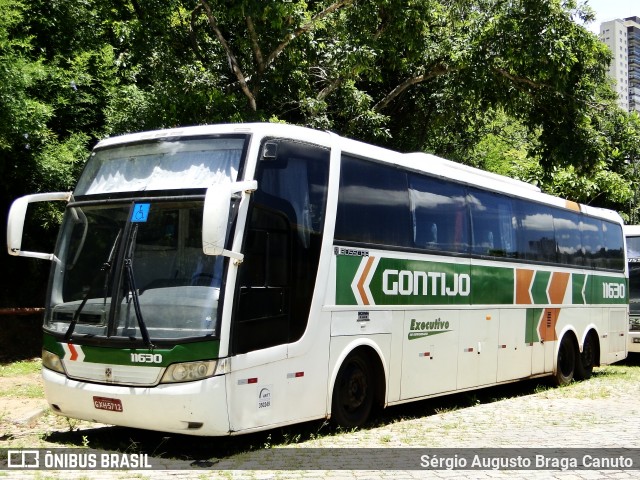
353,392
566,365
586,360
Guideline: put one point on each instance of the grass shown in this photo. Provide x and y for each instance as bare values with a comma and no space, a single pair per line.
23,391
21,388
24,367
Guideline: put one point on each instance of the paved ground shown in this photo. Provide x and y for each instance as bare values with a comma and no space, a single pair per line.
603,412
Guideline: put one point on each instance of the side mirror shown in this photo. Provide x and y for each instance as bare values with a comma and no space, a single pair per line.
15,222
216,217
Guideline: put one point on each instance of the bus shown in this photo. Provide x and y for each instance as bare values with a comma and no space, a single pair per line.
632,237
224,279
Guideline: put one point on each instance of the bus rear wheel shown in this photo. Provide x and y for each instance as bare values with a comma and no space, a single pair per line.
353,393
586,360
566,366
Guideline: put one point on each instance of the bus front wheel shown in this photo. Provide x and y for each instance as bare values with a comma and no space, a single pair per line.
353,393
566,367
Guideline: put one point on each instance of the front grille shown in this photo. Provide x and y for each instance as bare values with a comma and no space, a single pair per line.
113,374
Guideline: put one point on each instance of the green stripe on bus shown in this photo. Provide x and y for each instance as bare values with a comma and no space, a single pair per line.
371,280
606,289
533,320
577,286
187,352
347,268
539,287
492,285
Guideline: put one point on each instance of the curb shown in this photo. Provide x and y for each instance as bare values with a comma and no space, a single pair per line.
30,417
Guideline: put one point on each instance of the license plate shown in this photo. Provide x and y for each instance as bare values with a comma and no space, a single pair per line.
105,403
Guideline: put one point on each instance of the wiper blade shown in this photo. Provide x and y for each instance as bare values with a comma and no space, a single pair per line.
106,267
76,315
128,265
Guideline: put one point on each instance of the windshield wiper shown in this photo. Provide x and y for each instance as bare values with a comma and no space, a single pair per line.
106,268
128,265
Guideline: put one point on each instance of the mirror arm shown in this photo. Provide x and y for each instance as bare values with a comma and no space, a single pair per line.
15,222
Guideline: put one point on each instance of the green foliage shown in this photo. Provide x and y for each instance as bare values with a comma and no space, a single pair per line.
516,87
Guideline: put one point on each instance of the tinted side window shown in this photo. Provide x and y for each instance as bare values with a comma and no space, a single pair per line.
536,233
613,245
568,237
439,214
492,224
593,242
373,204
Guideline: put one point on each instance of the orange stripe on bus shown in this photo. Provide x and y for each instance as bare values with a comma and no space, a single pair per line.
363,277
523,284
572,205
558,287
547,327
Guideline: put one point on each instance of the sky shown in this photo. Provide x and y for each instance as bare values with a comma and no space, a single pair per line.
611,9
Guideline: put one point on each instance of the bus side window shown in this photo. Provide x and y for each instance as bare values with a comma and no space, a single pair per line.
614,249
439,214
568,238
373,204
592,242
536,235
492,221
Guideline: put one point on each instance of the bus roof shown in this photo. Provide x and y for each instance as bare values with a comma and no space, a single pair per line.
631,230
418,161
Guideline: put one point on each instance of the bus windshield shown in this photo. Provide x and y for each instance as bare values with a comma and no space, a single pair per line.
134,268
633,255
129,267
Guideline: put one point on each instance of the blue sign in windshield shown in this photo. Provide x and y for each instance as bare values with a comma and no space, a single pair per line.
140,212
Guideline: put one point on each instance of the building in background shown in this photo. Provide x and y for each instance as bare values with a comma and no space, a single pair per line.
633,37
623,39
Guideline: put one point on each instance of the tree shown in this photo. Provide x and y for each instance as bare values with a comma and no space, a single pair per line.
506,143
412,74
431,75
54,76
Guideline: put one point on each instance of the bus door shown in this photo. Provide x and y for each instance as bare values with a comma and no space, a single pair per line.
275,287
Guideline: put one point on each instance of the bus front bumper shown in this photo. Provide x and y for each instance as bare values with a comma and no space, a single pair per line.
192,408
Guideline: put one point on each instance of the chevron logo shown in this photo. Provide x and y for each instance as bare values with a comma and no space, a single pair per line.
73,353
362,279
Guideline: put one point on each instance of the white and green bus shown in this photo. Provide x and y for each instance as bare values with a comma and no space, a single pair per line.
632,237
224,279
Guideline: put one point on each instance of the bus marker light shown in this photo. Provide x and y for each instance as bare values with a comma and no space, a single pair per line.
247,381
295,375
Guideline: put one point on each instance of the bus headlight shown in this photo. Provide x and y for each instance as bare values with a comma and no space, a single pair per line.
52,362
188,371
